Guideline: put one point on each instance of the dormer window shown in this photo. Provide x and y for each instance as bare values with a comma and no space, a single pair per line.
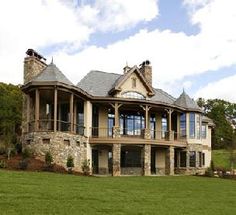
133,95
133,82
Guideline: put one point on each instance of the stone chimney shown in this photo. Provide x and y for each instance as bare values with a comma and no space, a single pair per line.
146,70
34,63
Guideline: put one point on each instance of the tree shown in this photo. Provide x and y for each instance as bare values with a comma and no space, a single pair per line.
223,114
10,115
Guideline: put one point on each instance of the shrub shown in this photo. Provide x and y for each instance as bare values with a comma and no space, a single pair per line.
209,172
2,150
23,164
3,164
212,166
26,153
48,161
86,167
70,163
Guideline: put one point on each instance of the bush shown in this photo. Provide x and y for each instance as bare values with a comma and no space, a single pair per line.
86,167
70,163
209,172
2,150
26,153
23,164
3,164
48,161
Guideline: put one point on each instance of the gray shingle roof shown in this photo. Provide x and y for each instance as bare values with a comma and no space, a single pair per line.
186,102
162,96
52,73
98,83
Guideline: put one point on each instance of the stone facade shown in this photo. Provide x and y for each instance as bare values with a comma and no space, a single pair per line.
147,160
60,145
116,149
170,160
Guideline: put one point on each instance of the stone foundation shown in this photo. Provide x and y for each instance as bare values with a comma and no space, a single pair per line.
60,145
131,171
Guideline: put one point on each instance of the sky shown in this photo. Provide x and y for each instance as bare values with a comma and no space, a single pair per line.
191,44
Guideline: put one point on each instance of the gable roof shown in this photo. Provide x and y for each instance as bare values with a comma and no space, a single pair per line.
123,78
52,74
186,102
98,83
163,97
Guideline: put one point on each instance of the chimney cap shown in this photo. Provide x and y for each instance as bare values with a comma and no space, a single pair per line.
32,52
145,63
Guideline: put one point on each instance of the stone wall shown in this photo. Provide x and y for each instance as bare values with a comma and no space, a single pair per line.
60,145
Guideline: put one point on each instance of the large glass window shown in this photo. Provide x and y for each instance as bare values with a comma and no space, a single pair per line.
133,95
192,159
152,125
198,126
192,125
163,126
182,159
111,123
183,125
204,131
131,158
200,158
80,118
131,124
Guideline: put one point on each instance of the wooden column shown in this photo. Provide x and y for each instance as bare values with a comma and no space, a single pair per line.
37,104
71,111
27,113
116,107
75,117
170,111
55,110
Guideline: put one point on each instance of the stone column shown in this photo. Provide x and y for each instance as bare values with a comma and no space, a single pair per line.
55,110
170,153
28,113
147,160
116,128
116,149
146,133
71,111
37,104
187,160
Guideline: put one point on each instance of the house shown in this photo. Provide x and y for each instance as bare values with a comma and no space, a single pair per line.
118,122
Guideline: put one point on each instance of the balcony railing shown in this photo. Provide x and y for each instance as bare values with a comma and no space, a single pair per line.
104,132
48,125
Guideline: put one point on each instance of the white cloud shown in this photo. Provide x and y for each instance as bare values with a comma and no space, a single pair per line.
44,23
224,88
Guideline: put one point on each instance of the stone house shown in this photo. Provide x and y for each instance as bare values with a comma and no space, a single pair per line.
119,122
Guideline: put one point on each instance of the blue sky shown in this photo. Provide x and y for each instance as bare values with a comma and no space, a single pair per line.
191,43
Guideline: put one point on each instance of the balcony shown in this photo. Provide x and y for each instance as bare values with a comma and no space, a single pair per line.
99,134
47,125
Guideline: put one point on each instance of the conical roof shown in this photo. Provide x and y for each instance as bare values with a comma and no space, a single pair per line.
186,102
52,74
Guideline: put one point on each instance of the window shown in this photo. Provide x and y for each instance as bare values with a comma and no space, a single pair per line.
111,123
163,126
183,125
133,95
80,118
200,159
46,141
192,159
192,125
203,159
198,126
182,159
152,125
204,131
133,82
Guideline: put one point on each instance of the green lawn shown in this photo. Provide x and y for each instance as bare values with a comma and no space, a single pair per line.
221,158
50,193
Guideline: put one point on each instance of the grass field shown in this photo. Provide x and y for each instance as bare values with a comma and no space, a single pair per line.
50,193
221,158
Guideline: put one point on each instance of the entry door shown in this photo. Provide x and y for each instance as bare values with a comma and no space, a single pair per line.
95,161
153,161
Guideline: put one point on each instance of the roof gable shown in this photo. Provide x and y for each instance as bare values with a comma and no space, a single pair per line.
123,78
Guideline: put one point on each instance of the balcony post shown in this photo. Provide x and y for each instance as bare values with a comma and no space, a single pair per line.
147,133
27,113
75,117
37,103
116,128
71,111
169,112
55,110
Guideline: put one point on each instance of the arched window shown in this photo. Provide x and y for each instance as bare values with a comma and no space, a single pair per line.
133,95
